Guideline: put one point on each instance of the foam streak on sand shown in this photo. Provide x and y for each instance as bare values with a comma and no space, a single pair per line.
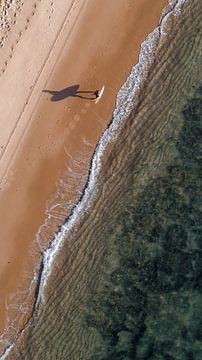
137,147
129,93
124,104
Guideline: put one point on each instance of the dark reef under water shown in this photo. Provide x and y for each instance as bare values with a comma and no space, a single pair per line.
149,305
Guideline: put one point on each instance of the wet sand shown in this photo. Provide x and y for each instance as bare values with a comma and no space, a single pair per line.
133,152
45,141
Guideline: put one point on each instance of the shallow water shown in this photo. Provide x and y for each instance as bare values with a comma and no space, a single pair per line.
150,301
118,252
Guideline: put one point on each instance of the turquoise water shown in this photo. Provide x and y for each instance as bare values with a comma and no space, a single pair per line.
150,303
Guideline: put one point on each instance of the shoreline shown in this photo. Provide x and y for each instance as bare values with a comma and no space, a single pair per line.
89,192
129,90
78,266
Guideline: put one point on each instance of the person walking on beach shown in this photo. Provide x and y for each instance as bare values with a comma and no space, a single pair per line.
97,94
75,92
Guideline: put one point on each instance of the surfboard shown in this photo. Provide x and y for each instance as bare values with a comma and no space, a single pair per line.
101,93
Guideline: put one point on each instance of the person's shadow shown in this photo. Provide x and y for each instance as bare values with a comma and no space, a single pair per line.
71,91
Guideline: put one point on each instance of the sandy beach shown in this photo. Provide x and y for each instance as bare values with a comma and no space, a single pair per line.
46,146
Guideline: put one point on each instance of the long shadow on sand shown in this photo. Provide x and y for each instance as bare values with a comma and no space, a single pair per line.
70,91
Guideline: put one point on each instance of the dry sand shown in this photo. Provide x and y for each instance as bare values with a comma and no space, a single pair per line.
54,45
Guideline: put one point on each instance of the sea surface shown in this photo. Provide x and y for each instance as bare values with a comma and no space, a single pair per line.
148,303
122,278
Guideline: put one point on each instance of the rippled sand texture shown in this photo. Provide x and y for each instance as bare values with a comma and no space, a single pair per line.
140,152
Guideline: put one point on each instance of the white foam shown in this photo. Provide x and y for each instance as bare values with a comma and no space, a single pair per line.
123,107
124,104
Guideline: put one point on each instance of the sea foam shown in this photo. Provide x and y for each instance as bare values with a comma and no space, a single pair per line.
124,105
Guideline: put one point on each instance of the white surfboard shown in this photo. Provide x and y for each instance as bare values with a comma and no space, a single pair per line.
100,95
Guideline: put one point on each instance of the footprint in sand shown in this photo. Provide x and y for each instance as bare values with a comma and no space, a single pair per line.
72,125
87,105
83,111
76,117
